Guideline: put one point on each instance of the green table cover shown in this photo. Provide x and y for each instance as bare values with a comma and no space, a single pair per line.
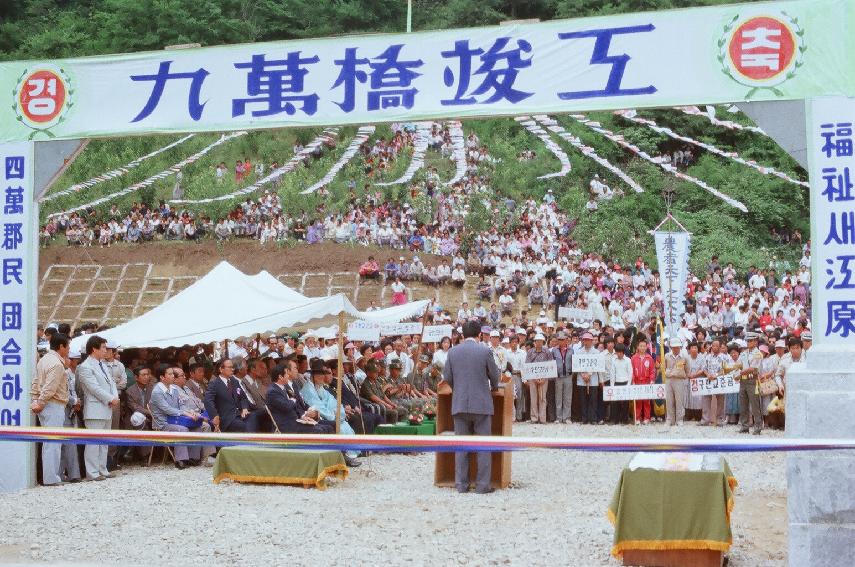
404,428
266,465
665,510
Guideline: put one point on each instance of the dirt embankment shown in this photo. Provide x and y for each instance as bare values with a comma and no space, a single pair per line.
179,258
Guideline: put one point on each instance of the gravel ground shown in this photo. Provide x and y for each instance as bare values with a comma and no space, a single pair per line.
388,510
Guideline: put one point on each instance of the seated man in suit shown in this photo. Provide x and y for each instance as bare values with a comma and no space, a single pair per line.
360,418
317,396
137,398
288,411
226,402
255,386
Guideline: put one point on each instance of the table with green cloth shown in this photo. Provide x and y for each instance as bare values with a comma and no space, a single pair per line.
270,465
673,509
427,427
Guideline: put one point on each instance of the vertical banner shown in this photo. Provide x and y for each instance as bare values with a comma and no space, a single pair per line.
17,307
672,254
832,210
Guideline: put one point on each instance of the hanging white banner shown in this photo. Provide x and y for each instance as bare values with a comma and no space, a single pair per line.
550,144
714,54
672,254
553,126
420,145
361,137
17,307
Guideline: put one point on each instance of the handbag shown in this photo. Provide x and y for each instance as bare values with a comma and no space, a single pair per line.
768,387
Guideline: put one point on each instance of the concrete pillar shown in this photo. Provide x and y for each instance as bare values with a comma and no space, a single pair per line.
821,498
820,401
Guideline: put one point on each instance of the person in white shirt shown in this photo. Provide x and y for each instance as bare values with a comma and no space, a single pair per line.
619,372
506,302
458,276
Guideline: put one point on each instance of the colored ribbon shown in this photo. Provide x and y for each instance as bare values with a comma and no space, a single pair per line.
423,443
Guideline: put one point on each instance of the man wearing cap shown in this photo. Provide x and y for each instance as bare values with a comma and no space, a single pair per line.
563,356
399,388
676,372
587,383
374,389
49,393
807,342
472,374
537,387
749,398
426,376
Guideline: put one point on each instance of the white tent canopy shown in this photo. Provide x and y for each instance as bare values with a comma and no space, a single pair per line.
228,304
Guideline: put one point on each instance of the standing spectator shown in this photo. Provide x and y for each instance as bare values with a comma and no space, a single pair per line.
588,383
619,372
49,393
712,410
563,355
399,292
749,399
643,372
675,383
537,387
100,397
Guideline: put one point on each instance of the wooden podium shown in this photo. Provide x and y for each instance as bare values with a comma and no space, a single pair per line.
503,417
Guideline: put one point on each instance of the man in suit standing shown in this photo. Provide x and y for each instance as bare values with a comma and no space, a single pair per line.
226,403
472,373
100,396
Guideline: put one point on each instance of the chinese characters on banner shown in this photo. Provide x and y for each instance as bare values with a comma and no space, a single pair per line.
832,172
768,52
672,254
17,352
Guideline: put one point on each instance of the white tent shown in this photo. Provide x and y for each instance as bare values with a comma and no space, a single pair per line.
228,304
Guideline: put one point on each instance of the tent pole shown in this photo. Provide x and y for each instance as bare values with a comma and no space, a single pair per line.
340,372
422,334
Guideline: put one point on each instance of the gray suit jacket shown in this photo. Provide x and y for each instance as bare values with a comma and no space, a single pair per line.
98,390
472,373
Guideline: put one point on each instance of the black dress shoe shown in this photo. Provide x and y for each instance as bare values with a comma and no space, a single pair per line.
487,491
193,462
352,463
180,465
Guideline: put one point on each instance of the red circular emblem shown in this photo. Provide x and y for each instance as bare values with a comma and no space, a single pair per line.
762,48
42,96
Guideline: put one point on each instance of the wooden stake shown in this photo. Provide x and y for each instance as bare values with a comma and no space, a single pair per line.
341,330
